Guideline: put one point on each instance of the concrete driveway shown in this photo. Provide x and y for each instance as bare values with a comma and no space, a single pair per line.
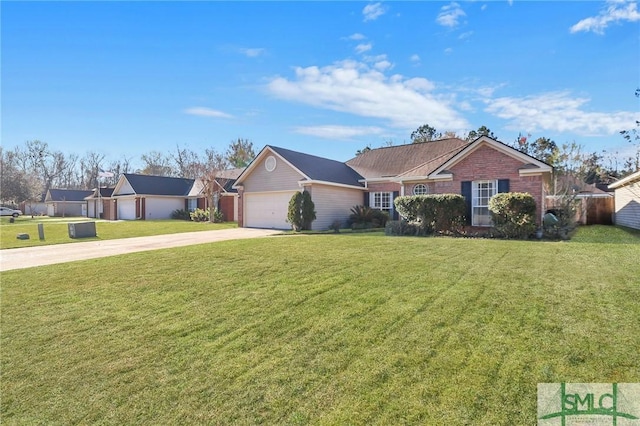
28,257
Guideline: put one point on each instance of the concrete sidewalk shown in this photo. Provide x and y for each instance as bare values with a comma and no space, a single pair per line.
28,257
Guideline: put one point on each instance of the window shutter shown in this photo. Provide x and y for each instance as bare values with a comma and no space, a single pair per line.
465,191
503,185
186,204
395,215
366,199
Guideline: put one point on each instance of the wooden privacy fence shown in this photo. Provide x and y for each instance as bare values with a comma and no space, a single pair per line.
591,210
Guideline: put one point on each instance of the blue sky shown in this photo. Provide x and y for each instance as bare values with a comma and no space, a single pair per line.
326,78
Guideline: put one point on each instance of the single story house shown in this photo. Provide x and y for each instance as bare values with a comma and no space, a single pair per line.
138,196
627,201
66,202
477,170
35,207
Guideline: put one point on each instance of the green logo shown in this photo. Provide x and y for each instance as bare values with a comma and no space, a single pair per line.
588,403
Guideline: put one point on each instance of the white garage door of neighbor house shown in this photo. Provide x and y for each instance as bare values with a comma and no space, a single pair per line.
267,210
126,209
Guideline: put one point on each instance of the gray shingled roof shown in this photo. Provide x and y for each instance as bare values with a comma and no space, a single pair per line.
104,193
61,195
159,185
395,160
319,168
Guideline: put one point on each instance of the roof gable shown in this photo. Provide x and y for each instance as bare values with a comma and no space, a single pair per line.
530,164
310,167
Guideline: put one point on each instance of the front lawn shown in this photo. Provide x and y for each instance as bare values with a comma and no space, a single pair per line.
321,329
56,230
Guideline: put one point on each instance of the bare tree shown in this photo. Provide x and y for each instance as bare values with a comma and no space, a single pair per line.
188,163
16,185
156,163
92,163
48,165
212,187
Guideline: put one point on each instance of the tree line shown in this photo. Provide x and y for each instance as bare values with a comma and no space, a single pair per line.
32,169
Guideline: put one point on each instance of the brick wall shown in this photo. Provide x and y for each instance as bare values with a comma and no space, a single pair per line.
488,163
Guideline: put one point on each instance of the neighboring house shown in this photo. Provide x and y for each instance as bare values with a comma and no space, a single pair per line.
137,196
66,202
627,200
477,170
35,207
150,197
98,202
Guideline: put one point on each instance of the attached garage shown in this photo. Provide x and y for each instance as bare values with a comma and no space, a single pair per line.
127,209
267,209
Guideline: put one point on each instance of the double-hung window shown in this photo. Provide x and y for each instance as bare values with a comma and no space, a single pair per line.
381,201
483,190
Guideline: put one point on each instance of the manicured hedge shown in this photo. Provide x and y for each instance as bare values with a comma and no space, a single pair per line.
434,212
513,214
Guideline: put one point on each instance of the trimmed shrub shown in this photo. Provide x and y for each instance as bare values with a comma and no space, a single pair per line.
513,214
180,214
308,210
380,218
400,228
433,213
301,211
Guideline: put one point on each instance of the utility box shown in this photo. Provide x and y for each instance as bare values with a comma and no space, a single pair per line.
82,229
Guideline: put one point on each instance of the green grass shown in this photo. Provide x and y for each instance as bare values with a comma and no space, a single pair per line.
321,329
56,230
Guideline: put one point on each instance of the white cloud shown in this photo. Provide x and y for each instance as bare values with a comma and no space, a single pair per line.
207,112
356,37
616,11
373,11
465,35
558,111
253,52
356,88
338,132
363,47
448,51
383,65
415,58
450,14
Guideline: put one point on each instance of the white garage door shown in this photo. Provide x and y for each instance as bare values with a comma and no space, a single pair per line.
267,209
126,209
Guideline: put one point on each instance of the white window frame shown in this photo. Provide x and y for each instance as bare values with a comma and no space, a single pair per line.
381,201
192,204
481,193
424,191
